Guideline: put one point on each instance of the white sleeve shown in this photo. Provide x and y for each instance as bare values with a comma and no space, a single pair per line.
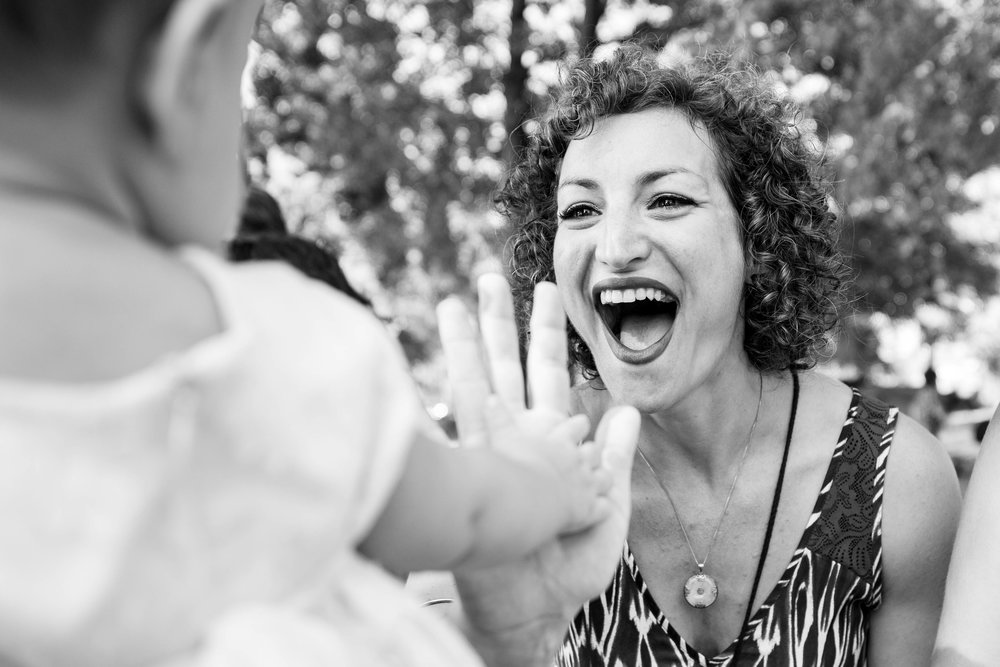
355,400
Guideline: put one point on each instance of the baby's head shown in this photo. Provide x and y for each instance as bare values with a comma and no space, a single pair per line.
132,106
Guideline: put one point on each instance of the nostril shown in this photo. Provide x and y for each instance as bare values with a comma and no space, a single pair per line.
621,248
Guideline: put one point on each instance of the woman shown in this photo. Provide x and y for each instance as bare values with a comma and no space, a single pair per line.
778,517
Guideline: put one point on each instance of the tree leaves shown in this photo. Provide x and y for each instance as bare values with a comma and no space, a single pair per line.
405,111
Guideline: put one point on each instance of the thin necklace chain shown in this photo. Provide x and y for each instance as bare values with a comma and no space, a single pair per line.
729,496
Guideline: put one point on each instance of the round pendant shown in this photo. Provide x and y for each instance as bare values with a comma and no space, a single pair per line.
701,590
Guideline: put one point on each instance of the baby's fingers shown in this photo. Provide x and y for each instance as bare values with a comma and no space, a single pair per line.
467,375
593,512
574,429
496,321
592,460
548,374
593,484
618,435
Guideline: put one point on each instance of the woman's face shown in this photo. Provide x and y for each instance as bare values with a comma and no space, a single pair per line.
648,257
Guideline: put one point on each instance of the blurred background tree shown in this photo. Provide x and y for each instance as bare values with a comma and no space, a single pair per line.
384,126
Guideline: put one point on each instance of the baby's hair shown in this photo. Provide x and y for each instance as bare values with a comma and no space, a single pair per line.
45,32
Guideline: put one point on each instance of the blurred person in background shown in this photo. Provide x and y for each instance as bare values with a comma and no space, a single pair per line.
968,635
263,234
926,407
261,214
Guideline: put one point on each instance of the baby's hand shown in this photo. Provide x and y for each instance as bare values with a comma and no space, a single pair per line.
553,446
529,421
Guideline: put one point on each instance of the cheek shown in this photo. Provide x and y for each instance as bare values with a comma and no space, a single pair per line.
570,274
726,282
737,270
729,295
559,263
725,258
569,256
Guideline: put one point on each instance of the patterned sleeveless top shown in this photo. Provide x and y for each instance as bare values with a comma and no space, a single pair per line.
818,612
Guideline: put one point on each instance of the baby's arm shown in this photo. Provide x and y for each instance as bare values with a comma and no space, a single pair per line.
468,507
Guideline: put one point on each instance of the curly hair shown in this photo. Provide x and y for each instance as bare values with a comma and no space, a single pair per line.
771,174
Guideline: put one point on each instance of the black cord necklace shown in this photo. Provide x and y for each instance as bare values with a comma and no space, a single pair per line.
770,521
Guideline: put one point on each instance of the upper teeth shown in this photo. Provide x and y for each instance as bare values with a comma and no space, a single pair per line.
631,295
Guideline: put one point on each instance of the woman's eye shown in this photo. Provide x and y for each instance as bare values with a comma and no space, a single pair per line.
575,211
670,201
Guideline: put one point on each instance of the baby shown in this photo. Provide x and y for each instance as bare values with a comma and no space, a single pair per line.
203,463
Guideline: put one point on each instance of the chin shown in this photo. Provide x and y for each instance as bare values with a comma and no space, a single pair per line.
648,390
646,404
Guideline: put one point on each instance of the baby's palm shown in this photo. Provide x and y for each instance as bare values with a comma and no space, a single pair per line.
554,581
549,585
552,445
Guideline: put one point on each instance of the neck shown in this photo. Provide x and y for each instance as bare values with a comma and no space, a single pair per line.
706,433
54,219
45,174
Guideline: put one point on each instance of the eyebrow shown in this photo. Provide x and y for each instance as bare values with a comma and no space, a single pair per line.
651,177
645,179
586,183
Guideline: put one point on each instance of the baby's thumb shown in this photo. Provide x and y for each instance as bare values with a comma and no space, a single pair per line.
618,435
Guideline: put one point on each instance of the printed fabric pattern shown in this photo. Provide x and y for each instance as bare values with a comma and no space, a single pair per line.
817,614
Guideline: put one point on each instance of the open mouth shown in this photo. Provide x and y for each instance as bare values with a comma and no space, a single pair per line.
637,317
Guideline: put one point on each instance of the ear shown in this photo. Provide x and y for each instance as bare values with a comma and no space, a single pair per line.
176,64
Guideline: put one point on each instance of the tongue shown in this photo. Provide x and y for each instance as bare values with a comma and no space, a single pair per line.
640,331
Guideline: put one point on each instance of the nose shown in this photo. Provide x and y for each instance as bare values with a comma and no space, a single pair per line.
623,242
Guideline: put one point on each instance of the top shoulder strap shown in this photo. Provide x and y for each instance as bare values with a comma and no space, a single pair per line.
849,526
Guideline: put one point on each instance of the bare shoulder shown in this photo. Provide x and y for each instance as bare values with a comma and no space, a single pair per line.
921,506
819,382
99,310
920,510
823,390
920,486
918,463
823,403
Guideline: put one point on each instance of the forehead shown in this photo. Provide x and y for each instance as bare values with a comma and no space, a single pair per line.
653,140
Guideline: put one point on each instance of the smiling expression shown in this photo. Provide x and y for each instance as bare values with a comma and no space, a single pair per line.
648,256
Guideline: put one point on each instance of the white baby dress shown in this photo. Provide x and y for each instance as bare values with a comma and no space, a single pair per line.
205,511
